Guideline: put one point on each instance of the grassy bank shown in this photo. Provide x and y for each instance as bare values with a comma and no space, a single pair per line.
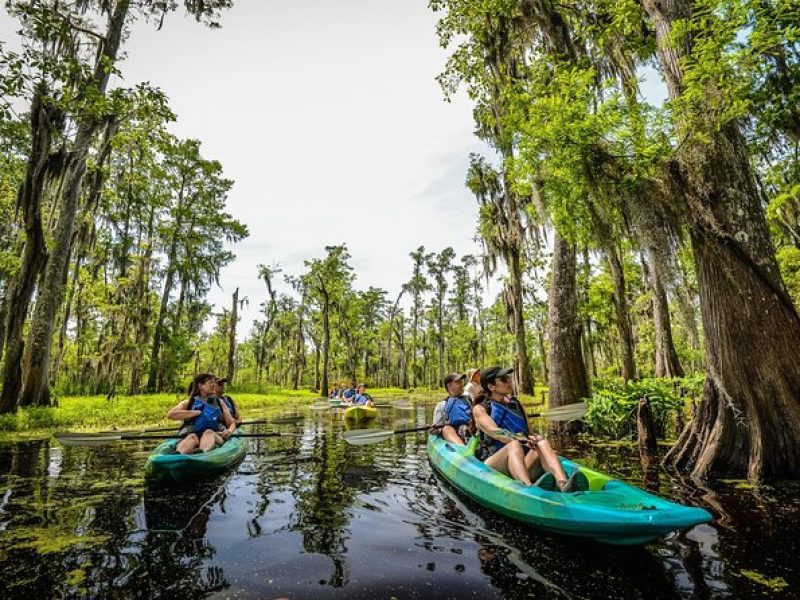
149,410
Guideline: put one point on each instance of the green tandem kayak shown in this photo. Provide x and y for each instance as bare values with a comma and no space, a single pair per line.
612,511
164,463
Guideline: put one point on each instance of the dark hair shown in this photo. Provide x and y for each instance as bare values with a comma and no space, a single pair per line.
198,380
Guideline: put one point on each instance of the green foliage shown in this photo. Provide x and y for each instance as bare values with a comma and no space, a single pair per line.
613,405
95,412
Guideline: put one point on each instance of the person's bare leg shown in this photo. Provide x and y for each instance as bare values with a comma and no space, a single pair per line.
451,435
511,461
551,463
209,440
188,444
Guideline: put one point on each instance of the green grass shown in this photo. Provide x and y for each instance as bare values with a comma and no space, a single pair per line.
95,412
86,413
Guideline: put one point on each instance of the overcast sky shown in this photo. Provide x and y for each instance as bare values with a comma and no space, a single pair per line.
328,118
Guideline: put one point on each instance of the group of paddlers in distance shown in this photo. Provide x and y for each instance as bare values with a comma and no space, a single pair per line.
478,403
351,395
481,403
209,416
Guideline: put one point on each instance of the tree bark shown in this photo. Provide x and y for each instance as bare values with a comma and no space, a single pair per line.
623,320
44,121
524,372
50,293
748,422
567,381
666,357
232,336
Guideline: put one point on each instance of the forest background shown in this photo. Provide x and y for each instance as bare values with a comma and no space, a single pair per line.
641,250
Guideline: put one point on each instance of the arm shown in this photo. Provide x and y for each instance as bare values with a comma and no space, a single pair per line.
230,423
181,412
487,425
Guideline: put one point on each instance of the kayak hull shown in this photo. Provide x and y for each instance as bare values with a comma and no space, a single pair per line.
612,511
360,413
164,463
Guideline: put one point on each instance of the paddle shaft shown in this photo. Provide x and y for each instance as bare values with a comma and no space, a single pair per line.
175,428
116,436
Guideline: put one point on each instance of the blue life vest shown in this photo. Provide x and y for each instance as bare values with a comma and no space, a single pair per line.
348,393
362,399
458,411
210,418
509,416
231,406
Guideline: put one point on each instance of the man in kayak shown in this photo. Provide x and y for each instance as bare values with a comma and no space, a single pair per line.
203,415
454,413
362,398
349,393
220,393
501,420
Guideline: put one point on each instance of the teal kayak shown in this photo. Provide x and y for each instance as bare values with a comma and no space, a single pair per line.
611,511
165,463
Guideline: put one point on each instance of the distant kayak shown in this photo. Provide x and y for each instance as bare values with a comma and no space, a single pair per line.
360,413
335,402
164,462
612,511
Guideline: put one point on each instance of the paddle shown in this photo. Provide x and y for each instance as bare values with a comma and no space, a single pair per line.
361,437
71,439
159,429
568,412
399,405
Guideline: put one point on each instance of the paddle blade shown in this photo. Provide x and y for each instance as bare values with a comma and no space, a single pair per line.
568,412
75,440
362,437
288,420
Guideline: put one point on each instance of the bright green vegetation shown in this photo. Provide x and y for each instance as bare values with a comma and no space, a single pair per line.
775,584
149,410
631,239
146,410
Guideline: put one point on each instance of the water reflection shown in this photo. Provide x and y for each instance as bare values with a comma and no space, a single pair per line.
309,516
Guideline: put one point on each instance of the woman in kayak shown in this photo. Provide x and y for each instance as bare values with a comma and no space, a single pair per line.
501,418
203,416
362,398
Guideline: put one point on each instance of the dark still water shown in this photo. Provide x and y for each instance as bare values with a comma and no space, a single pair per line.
311,517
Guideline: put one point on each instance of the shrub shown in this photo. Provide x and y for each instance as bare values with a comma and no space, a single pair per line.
613,404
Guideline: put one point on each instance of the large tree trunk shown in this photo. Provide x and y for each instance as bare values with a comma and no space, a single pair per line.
748,422
666,357
326,344
567,372
623,320
524,371
44,121
50,293
232,336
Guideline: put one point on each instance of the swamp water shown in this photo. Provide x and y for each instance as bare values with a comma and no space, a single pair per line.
311,517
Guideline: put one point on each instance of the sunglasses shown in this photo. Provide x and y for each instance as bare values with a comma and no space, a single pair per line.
504,379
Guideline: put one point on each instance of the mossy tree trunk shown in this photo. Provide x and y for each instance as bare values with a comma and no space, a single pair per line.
748,422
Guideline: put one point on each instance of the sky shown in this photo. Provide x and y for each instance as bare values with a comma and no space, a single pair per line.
328,118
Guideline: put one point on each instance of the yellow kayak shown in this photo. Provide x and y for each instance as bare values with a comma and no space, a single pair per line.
360,413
